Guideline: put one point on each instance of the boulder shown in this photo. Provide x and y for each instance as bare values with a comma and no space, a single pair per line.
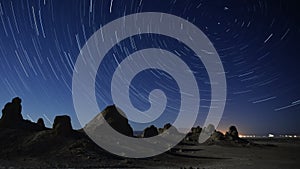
62,125
150,132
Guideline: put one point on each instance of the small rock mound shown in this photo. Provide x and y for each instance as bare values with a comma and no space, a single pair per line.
62,125
150,132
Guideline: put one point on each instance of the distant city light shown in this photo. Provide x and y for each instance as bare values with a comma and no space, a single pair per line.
247,136
270,135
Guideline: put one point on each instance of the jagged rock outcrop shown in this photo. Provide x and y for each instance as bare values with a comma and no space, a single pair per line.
150,132
11,114
12,117
62,125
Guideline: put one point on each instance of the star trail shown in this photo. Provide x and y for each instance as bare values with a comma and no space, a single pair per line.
257,42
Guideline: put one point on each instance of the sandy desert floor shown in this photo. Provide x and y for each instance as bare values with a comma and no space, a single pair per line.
285,154
273,154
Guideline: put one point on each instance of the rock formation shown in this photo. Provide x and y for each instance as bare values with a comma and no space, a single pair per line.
209,129
197,129
11,114
41,122
193,135
150,132
232,134
62,125
117,120
169,129
114,117
230,138
12,117
217,136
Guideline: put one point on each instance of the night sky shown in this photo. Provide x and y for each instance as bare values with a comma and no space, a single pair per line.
257,41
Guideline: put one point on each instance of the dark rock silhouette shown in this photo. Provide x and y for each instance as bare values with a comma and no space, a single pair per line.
232,134
194,134
41,122
12,117
167,126
196,129
117,120
11,114
230,138
114,117
62,125
150,132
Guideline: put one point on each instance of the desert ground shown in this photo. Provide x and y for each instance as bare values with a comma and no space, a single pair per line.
269,154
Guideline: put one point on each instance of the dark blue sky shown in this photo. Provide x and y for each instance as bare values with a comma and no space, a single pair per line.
257,42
